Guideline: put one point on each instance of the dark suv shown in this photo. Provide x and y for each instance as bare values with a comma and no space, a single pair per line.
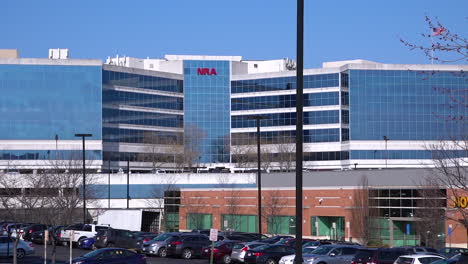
187,245
28,231
115,238
379,255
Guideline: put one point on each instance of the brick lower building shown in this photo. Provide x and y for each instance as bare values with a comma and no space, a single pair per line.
399,209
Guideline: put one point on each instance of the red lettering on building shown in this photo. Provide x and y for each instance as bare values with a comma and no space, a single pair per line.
206,71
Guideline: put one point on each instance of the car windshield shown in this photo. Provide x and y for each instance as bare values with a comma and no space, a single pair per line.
312,244
162,237
238,246
404,260
322,250
282,242
307,250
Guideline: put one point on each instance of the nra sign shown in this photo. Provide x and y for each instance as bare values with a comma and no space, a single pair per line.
206,71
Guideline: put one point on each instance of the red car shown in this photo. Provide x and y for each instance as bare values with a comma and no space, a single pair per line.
222,251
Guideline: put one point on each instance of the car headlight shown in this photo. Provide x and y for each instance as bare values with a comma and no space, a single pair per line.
308,260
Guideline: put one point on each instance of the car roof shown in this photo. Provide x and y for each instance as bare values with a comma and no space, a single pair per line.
420,256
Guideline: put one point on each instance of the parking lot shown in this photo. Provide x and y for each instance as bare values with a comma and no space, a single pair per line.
63,256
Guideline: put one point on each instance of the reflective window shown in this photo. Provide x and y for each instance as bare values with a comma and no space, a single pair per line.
287,119
51,154
402,154
115,116
284,137
284,83
407,105
141,81
41,101
207,104
141,136
284,101
113,97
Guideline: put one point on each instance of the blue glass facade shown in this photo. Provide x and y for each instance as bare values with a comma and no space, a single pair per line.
48,154
131,99
142,81
41,101
406,105
274,137
284,101
207,99
285,83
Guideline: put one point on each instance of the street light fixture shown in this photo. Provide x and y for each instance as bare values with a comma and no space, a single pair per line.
83,136
259,174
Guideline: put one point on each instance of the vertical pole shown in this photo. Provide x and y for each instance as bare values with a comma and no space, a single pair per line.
299,126
212,252
128,184
84,182
108,186
259,180
72,235
46,239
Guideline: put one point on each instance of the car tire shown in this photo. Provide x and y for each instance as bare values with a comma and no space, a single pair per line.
227,259
270,261
20,253
162,252
93,247
187,253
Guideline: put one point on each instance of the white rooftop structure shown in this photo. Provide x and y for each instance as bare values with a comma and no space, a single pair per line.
174,63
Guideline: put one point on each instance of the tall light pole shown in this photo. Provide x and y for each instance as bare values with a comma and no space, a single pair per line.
83,136
299,126
386,150
128,183
259,173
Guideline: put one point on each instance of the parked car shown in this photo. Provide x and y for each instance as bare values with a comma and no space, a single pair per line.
267,254
420,250
115,238
254,236
331,254
38,237
187,245
451,251
158,245
66,239
143,237
326,255
15,230
379,255
274,239
417,259
221,252
110,255
87,243
6,247
85,231
292,241
239,249
316,244
31,229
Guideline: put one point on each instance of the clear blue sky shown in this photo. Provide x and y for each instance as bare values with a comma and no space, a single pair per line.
254,29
